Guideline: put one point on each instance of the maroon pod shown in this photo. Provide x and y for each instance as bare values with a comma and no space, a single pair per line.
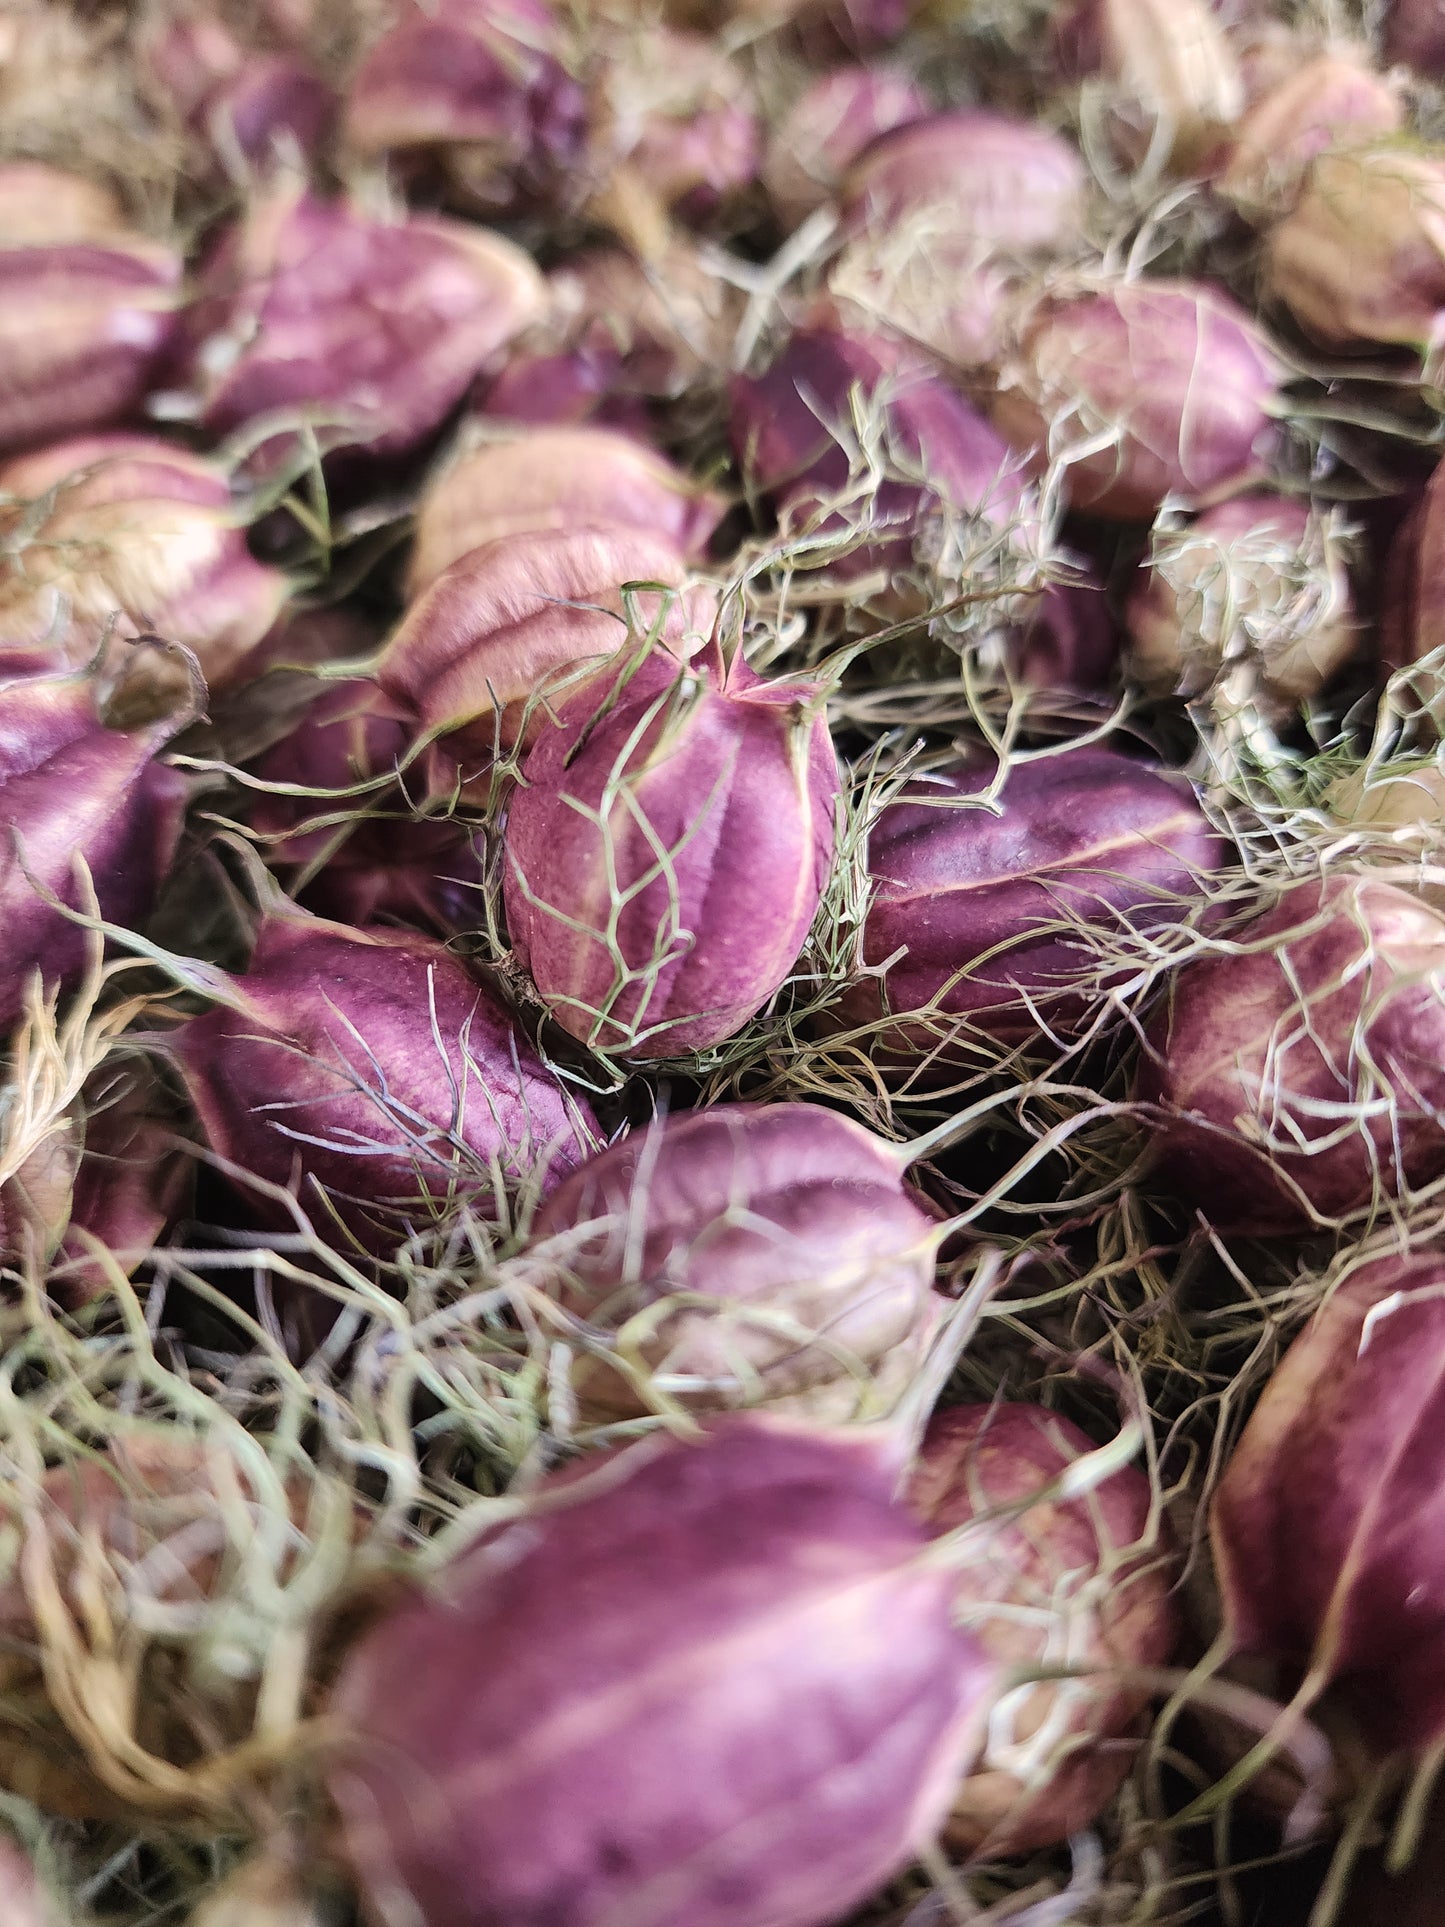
1329,1523
1143,390
1081,1582
1007,918
743,1253
73,791
1300,1073
666,852
714,1684
368,1072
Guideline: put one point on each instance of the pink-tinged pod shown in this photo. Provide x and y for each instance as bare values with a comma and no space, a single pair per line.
744,1254
1329,1523
1335,98
555,478
666,851
83,324
1145,390
274,109
829,125
1068,639
72,792
1415,34
137,532
26,1901
43,205
372,331
1299,1076
1080,1582
505,632
1361,255
476,90
1412,597
1003,920
701,1683
368,1072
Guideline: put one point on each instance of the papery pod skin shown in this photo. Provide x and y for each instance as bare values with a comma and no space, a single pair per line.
1361,256
759,1716
141,533
1335,97
1070,1582
1172,65
82,326
832,121
666,851
1174,373
1068,639
132,1180
72,789
1255,586
478,88
275,110
747,1215
1006,919
1415,34
371,330
555,478
44,206
367,1070
1327,1524
509,628
1297,1077
1379,798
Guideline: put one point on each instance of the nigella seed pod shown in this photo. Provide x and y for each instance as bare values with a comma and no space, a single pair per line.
742,1254
1067,640
1005,920
274,110
1296,1077
835,117
666,851
507,630
368,1072
554,478
1080,1582
1334,98
1327,1525
370,330
1172,69
1415,34
1144,391
1252,597
759,1716
75,793
131,530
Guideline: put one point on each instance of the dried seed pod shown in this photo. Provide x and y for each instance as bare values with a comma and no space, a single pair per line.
1415,34
1326,101
1324,1524
1145,390
477,91
758,1717
371,331
1003,920
530,617
554,478
73,792
829,125
1172,67
741,1254
1361,255
1252,596
368,1071
130,530
274,110
1081,1582
1297,1075
1067,640
45,206
667,849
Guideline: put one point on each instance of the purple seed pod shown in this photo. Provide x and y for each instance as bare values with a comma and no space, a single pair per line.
1361,255
1412,612
1146,390
1172,70
667,849
835,117
1068,639
43,206
575,385
1297,1076
1334,98
370,330
510,627
555,479
273,109
477,91
712,1684
745,1253
1324,1524
1008,918
136,531
369,1072
27,1904
74,791
82,326
1415,35
1252,597
1079,1582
